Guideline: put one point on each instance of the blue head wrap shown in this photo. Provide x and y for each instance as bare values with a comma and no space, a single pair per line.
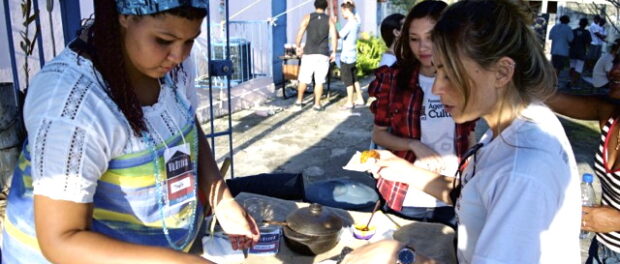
148,7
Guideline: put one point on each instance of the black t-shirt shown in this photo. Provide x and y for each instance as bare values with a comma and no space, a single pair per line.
317,35
580,43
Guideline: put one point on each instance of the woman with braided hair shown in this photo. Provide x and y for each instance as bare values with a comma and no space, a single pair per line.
115,159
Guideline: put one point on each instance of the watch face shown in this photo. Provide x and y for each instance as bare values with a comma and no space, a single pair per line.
406,256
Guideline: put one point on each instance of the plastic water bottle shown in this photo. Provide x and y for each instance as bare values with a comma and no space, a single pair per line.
587,197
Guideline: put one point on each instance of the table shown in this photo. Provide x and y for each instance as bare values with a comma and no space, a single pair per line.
429,239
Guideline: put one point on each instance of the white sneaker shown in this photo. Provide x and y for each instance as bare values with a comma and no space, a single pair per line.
298,106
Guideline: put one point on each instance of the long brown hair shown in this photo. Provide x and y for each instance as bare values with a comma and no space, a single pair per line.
406,60
486,31
108,57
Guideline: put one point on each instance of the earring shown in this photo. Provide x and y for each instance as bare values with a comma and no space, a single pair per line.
510,64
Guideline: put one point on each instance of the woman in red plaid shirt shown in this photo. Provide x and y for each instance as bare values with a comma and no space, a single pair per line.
411,121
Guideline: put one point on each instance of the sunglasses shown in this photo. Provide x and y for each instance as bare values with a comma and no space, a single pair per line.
460,181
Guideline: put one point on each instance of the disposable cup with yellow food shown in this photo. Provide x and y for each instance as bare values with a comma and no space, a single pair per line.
361,231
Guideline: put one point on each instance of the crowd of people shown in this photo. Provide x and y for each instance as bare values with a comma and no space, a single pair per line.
581,50
98,179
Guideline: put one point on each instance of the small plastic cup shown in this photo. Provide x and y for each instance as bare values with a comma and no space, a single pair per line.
360,231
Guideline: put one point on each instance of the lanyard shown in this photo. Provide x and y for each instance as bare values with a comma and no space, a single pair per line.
148,140
455,194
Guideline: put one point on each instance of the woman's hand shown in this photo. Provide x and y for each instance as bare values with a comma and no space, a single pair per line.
391,167
381,252
426,157
384,251
237,224
602,219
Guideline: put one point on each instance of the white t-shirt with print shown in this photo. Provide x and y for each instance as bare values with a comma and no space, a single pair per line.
437,129
522,204
75,129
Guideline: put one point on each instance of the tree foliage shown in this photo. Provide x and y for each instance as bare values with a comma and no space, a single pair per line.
405,5
600,9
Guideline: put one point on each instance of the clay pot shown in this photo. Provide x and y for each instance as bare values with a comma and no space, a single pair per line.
312,230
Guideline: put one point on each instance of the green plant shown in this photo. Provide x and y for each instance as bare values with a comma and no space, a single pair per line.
369,51
27,44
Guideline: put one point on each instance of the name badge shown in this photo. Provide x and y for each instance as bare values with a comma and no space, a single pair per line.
179,175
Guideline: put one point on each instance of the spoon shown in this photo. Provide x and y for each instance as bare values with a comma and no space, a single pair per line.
374,210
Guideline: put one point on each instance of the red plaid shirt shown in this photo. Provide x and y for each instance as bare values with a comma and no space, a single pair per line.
400,109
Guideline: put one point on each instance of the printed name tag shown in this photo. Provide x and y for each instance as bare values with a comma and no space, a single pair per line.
179,175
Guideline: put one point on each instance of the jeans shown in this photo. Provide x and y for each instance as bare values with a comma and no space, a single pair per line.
600,254
287,186
339,193
444,214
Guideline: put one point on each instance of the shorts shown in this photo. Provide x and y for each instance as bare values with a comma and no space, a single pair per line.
313,64
577,65
594,52
559,62
348,73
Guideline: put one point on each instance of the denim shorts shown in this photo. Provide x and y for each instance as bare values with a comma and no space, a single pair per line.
600,254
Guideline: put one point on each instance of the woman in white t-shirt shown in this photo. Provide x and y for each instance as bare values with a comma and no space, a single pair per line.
116,168
517,195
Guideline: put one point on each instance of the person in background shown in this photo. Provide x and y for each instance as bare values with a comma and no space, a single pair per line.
390,31
517,195
115,159
315,55
357,16
604,219
578,48
602,68
598,34
561,36
411,121
348,57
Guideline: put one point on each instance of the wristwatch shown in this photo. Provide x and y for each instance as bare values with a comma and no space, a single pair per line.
406,256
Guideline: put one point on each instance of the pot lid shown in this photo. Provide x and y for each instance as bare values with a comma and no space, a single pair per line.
314,220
